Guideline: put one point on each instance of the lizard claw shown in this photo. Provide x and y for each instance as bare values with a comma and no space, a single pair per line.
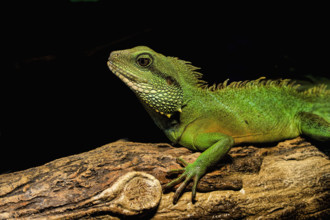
182,162
190,172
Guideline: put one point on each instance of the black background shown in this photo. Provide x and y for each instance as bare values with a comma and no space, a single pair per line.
59,97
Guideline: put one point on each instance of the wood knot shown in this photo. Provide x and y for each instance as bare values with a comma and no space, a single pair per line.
132,194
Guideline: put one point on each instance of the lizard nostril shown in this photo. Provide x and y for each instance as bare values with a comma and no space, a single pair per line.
113,55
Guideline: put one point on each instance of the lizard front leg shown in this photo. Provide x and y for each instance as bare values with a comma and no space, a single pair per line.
215,146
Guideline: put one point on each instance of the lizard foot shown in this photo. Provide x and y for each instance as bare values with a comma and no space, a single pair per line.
192,171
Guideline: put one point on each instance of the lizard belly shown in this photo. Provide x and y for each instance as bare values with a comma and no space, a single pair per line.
240,134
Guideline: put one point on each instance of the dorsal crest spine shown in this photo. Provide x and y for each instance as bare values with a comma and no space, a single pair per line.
258,83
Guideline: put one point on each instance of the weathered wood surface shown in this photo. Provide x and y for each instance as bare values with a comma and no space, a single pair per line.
122,179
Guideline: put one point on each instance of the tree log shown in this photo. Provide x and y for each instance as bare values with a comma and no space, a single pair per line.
123,180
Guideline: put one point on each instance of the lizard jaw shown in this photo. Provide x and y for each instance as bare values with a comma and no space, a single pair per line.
124,75
135,83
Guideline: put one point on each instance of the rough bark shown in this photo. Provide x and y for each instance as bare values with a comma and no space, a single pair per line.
123,180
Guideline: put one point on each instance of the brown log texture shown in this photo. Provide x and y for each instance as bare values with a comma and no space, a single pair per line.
123,180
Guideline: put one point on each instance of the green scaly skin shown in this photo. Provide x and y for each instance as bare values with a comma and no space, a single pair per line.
211,119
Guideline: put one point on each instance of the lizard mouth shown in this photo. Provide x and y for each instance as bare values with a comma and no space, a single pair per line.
125,76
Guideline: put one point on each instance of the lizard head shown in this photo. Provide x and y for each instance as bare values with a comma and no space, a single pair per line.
152,76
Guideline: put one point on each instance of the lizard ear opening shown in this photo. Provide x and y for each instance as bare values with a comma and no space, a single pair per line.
169,80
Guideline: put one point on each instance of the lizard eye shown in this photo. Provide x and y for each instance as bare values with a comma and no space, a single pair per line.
144,60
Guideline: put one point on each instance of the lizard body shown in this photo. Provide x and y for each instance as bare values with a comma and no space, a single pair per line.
213,119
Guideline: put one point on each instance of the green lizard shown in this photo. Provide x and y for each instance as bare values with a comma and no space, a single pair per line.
214,118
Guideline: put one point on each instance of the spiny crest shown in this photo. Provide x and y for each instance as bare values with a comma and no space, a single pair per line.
263,82
317,90
193,74
260,82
